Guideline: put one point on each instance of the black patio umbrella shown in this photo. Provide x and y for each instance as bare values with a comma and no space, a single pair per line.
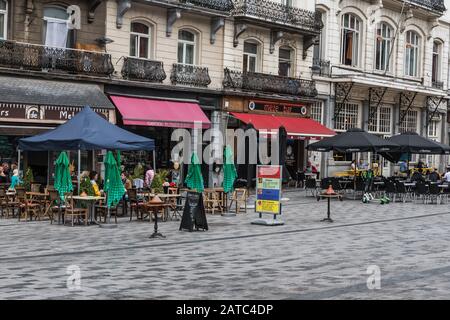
352,141
413,143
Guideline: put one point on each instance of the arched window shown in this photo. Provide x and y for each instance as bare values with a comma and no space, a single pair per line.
251,56
412,45
140,38
56,32
3,18
383,47
436,66
285,62
186,47
351,40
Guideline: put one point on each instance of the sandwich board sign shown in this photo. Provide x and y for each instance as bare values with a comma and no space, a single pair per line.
268,194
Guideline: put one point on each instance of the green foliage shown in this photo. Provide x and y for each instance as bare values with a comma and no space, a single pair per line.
28,179
158,180
138,172
86,186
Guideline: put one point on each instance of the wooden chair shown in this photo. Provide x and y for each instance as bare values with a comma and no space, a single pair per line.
27,206
71,211
12,205
239,197
3,202
35,187
135,204
52,206
212,202
102,210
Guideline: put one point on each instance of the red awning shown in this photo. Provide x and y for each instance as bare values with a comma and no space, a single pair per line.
160,113
296,127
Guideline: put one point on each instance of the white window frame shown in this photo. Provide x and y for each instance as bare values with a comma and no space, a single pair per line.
344,113
316,112
405,127
414,48
291,60
433,129
185,43
378,120
5,22
388,47
139,35
46,19
249,55
356,50
437,53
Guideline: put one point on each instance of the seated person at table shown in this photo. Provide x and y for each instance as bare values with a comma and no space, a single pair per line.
403,167
126,181
310,168
93,176
363,165
3,177
420,165
417,177
447,176
353,165
434,176
15,180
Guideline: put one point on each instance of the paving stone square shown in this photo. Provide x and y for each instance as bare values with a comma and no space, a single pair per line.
304,259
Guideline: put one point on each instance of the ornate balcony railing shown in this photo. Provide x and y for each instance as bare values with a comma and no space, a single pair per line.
321,67
26,56
279,13
190,75
435,5
143,70
253,81
220,5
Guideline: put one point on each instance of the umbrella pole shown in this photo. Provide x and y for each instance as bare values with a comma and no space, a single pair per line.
18,160
79,169
154,160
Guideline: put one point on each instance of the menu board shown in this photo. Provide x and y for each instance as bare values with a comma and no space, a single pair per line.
268,189
194,213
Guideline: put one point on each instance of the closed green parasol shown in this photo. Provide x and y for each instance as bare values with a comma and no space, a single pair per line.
113,183
194,179
63,180
229,171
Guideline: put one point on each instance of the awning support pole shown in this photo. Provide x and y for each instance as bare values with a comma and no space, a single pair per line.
18,159
79,169
154,160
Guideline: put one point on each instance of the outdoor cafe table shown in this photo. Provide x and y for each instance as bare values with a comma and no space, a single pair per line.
91,201
328,197
166,197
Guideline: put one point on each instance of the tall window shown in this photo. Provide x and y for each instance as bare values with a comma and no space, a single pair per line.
380,122
433,129
250,63
317,111
383,46
436,68
186,47
348,116
410,122
351,30
412,54
56,32
3,18
318,49
140,40
285,64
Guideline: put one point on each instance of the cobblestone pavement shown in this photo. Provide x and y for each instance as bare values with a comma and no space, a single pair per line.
304,259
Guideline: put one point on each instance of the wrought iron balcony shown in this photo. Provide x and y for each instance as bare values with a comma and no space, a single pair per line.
27,56
190,75
267,83
143,70
434,5
219,5
273,12
321,67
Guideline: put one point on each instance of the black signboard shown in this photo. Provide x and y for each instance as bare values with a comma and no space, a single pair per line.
194,213
272,107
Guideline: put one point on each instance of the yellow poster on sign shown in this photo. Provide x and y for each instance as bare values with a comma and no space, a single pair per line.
268,206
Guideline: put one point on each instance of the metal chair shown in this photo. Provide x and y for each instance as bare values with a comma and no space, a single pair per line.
311,186
422,192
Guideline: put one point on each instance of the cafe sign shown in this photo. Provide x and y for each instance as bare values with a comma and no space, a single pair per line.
40,113
268,189
278,107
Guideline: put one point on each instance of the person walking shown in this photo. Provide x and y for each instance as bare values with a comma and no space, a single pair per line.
15,180
149,175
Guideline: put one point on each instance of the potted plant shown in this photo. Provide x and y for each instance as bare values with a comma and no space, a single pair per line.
86,187
166,186
158,181
28,179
